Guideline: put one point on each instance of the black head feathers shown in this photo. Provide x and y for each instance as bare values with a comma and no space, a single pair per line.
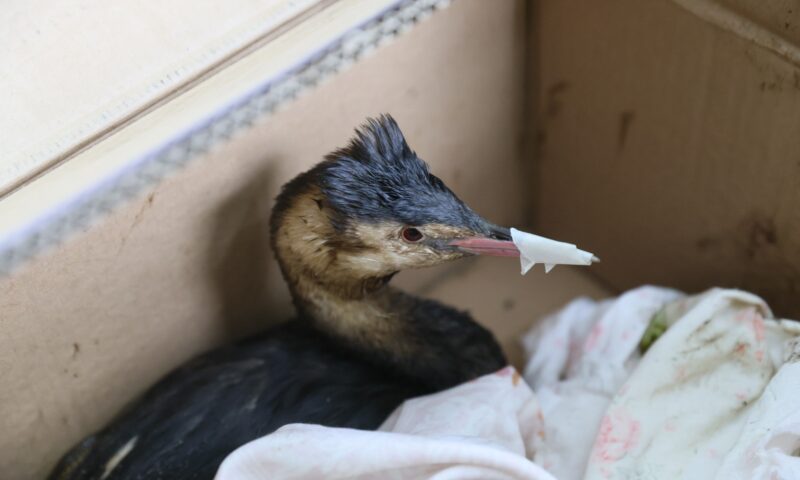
377,177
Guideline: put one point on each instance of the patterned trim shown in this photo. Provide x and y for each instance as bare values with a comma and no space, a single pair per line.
146,172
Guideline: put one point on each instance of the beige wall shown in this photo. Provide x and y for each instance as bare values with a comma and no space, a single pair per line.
88,326
669,146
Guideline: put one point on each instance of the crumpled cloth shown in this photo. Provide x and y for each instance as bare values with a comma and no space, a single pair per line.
705,401
483,429
578,358
717,396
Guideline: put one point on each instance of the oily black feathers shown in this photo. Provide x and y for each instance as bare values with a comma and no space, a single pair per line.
377,177
186,424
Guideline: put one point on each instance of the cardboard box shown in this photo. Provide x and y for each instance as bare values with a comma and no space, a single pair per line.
660,135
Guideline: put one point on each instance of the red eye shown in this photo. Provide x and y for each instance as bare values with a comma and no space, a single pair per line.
411,234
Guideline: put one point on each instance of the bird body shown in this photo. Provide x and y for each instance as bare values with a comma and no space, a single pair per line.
357,348
187,423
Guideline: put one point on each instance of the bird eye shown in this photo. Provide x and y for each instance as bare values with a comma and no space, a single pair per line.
411,234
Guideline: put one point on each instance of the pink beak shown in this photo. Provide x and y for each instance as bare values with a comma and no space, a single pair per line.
487,246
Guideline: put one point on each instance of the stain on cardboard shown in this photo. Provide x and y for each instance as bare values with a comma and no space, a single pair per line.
541,140
508,304
780,82
76,349
555,97
761,232
755,233
772,86
456,177
625,120
137,219
705,244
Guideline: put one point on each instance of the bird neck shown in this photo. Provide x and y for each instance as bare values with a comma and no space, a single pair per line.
418,338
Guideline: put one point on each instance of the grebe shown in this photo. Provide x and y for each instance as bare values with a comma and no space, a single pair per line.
357,347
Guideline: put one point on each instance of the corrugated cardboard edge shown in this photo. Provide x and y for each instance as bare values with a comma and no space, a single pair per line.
723,17
99,200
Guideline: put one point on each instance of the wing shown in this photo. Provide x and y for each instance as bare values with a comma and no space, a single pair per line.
185,425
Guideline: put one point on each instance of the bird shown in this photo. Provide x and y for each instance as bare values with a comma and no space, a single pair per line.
357,347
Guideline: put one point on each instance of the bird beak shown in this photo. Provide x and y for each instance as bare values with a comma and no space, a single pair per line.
496,244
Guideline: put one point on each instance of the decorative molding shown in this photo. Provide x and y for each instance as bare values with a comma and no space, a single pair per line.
145,173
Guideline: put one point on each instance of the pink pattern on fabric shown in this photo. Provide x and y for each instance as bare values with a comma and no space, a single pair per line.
540,431
742,396
619,434
680,373
758,327
594,337
505,372
669,426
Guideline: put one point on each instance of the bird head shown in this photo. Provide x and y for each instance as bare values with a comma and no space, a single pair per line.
373,208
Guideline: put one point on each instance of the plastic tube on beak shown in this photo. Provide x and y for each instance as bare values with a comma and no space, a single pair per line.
534,249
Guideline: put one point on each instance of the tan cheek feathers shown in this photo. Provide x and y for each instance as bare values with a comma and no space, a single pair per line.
307,231
387,249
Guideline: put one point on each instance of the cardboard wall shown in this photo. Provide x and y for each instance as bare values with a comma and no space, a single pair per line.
648,132
186,267
668,143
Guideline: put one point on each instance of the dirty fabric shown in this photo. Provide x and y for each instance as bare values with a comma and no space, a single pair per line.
484,429
711,398
577,360
715,396
705,401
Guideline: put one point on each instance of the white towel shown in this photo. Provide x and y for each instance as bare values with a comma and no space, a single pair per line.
715,397
483,429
